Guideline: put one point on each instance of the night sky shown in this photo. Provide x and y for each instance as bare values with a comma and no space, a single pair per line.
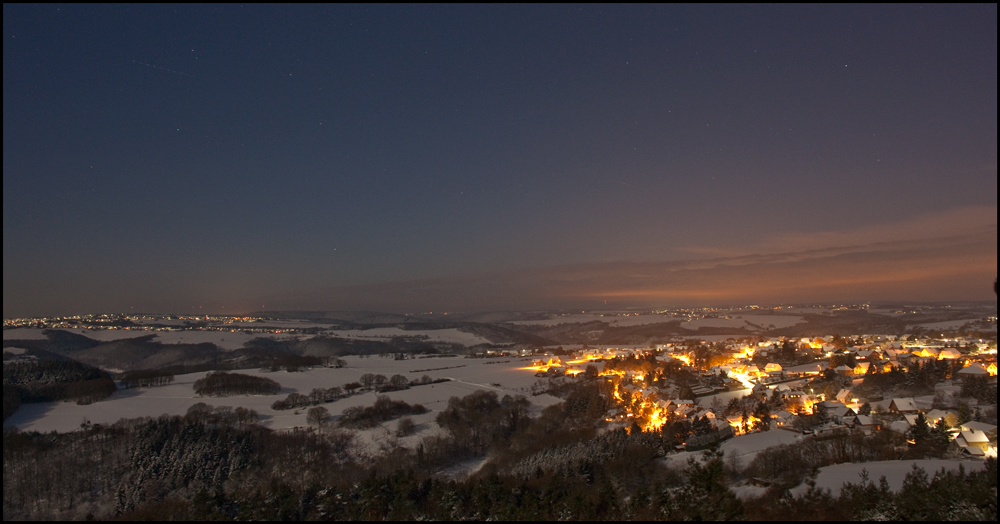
414,158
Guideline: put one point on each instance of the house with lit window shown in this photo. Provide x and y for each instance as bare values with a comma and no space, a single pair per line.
973,439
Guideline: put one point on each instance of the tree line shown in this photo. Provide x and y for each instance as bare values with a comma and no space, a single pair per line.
367,382
145,378
384,409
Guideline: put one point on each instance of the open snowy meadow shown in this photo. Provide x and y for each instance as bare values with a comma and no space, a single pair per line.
467,375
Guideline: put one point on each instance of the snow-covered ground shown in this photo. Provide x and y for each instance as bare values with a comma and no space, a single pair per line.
223,340
947,324
463,470
632,319
888,312
235,340
283,324
834,477
737,321
450,335
23,334
714,323
746,491
743,447
724,397
468,375
162,321
746,447
107,335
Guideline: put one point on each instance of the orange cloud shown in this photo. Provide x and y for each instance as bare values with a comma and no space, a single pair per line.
878,266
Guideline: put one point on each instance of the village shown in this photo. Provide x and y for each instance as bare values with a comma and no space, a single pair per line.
916,388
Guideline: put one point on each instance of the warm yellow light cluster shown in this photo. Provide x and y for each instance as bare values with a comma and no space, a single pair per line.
683,358
742,427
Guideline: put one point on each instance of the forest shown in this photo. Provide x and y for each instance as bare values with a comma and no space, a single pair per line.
51,380
224,384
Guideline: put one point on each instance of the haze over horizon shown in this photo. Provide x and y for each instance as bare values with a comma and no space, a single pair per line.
230,159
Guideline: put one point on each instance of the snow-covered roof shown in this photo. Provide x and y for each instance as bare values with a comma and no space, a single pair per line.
904,404
842,411
973,450
936,414
975,437
949,353
974,369
979,426
899,426
808,368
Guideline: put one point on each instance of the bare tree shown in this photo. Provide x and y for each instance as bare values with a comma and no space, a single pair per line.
317,416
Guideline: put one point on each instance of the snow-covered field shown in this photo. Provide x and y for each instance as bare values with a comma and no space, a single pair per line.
450,335
713,323
468,375
107,335
633,319
834,477
888,312
223,340
235,340
737,321
724,397
283,324
947,324
743,447
746,447
23,334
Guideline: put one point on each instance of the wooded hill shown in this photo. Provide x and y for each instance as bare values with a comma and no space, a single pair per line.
51,380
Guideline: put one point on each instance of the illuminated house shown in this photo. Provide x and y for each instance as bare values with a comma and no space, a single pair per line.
973,439
864,423
934,415
846,396
989,429
950,353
